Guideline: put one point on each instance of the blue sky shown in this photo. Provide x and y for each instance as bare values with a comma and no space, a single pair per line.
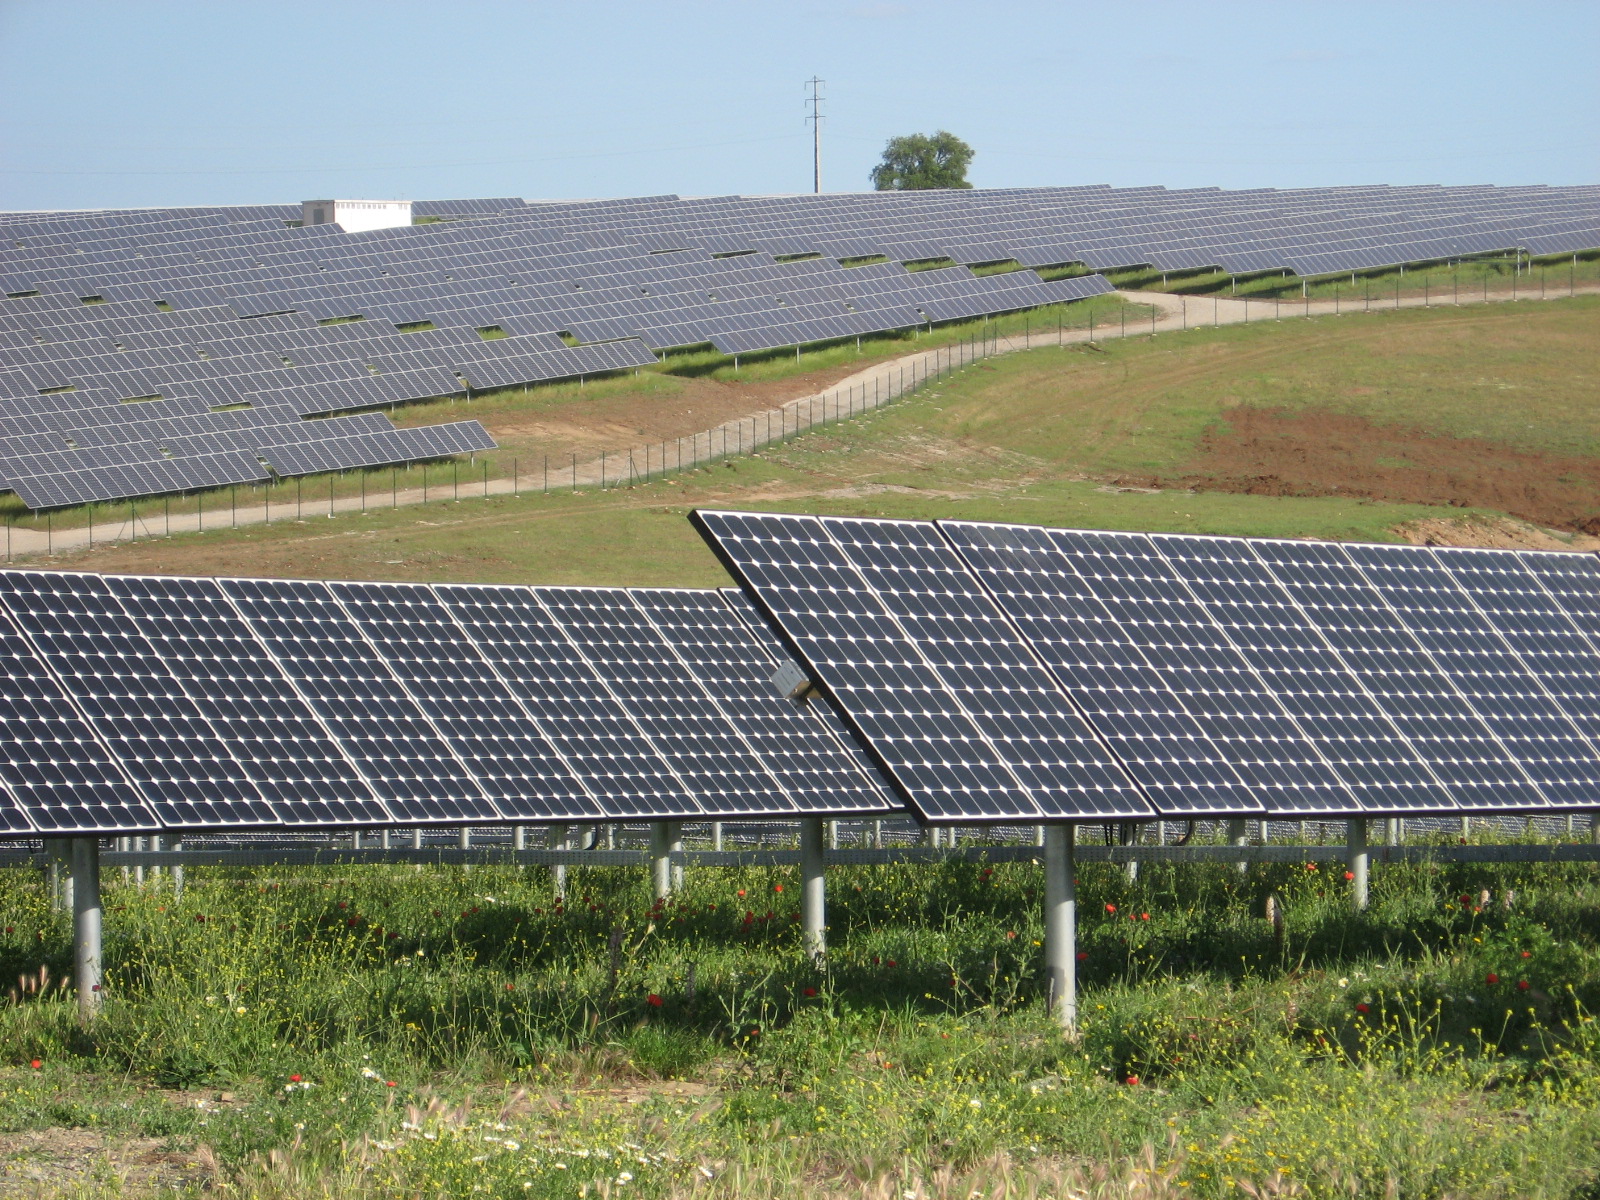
140,102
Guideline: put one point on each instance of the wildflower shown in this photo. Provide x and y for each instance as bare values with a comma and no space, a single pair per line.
1011,934
1144,916
1083,956
808,992
1349,875
654,1001
511,987
777,887
1522,985
1527,954
294,1079
1363,1009
974,1103
391,1083
1111,908
624,1176
36,1064
1491,977
891,963
1131,1081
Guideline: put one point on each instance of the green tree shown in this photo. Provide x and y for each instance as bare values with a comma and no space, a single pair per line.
919,161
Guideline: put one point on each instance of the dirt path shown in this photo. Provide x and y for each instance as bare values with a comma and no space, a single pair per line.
873,385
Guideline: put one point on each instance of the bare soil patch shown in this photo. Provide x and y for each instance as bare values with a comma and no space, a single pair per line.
622,418
47,1162
1296,452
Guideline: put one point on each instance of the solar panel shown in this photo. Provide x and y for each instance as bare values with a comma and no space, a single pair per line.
948,700
448,678
552,680
379,724
1226,675
139,710
254,709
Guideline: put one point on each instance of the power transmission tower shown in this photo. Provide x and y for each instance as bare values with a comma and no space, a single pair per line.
815,100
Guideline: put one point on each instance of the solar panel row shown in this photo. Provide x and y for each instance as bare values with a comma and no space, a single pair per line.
1003,672
140,703
230,329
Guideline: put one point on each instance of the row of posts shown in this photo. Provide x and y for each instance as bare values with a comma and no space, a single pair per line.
78,887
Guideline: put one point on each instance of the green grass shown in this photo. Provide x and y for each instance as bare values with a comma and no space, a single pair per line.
519,1032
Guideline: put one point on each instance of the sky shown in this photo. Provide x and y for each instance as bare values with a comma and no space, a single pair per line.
151,103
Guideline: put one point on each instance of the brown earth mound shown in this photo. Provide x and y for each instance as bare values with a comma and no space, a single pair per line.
1291,452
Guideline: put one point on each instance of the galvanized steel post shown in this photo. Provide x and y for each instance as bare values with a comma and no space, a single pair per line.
1061,923
86,925
1356,860
813,890
660,860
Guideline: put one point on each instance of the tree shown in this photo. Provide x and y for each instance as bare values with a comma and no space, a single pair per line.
919,161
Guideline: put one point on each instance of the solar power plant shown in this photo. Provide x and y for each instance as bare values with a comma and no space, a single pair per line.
1221,676
138,704
145,351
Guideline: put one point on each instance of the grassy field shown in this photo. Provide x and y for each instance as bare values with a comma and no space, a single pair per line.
376,1032
1030,437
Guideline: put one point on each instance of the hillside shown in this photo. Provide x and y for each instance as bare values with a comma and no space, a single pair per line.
1350,427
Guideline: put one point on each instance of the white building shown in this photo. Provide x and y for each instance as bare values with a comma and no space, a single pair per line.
354,216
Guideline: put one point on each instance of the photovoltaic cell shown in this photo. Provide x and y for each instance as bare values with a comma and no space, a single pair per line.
381,728
139,710
944,694
1405,683
54,769
1102,663
258,716
1326,701
720,653
1511,701
554,681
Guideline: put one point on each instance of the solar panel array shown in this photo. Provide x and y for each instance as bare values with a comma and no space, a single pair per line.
147,351
138,703
1185,675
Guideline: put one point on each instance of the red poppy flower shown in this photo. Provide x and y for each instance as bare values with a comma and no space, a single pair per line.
1527,954
741,891
891,963
36,1064
777,887
1011,934
1144,916
1111,908
1491,977
1465,900
654,1001
294,1079
1363,1009
1083,956
390,1083
511,987
809,992
1522,985
1349,875
1132,1081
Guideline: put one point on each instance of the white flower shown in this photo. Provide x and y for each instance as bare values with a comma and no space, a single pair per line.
1344,983
625,1177
706,1171
974,1103
241,1010
369,1073
510,1145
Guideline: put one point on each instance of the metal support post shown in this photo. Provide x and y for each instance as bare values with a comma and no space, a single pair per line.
519,837
675,844
1391,831
556,839
416,838
833,835
660,863
716,835
1131,838
177,873
86,925
1594,828
813,892
1238,835
1061,924
1357,858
